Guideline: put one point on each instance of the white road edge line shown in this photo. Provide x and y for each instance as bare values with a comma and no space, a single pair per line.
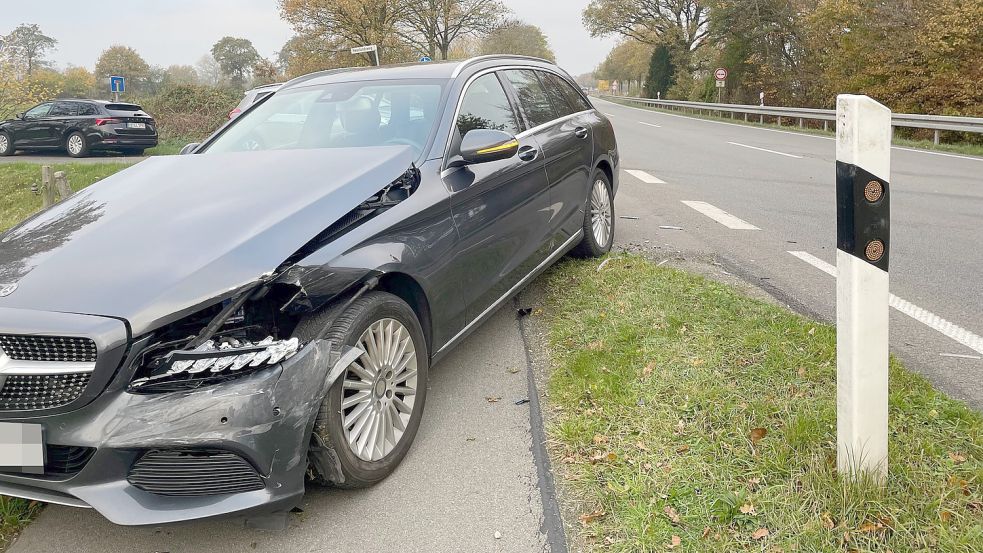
651,124
927,318
644,177
765,150
807,135
720,216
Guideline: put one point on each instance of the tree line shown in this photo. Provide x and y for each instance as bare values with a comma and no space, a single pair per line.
325,32
917,56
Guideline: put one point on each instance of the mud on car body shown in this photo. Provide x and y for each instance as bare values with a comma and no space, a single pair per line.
201,335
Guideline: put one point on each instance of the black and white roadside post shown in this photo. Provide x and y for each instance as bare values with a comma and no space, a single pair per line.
863,163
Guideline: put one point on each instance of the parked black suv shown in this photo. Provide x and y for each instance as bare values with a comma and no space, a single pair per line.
78,127
197,334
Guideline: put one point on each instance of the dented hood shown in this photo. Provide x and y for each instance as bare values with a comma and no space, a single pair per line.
174,232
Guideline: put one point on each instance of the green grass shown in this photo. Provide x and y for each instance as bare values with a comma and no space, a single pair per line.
16,179
955,148
662,384
168,147
14,515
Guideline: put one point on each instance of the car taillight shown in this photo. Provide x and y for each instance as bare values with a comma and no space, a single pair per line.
100,122
234,113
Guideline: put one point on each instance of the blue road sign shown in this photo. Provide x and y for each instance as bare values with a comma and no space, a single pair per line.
426,59
117,84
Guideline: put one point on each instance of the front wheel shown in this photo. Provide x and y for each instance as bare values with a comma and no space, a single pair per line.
370,416
76,145
598,219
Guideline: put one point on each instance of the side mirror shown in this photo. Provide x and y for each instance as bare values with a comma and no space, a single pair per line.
484,145
189,148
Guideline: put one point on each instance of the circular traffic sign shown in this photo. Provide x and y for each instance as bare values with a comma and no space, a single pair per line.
721,74
425,59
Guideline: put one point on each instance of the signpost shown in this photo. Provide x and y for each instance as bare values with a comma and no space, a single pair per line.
366,49
863,217
117,85
721,75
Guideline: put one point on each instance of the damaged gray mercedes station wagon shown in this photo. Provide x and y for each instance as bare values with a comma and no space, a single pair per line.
203,334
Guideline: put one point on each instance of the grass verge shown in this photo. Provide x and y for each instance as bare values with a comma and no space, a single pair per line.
954,148
687,416
168,147
16,179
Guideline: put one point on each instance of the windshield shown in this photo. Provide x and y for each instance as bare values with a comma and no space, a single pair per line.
340,115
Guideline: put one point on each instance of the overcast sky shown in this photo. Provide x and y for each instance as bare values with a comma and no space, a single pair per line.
181,31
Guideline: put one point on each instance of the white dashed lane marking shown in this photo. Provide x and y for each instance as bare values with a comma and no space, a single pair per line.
927,318
765,150
644,177
720,216
650,124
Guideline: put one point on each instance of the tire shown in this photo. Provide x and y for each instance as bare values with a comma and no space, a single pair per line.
334,461
76,145
600,204
6,145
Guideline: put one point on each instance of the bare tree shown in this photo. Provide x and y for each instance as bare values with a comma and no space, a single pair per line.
434,25
27,46
676,23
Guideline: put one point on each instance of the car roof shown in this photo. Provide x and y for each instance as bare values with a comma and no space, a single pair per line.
430,70
100,102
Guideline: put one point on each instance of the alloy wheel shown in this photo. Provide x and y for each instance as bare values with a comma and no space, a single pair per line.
75,144
4,144
600,213
380,390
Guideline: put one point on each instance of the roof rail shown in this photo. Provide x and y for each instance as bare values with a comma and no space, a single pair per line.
317,74
469,62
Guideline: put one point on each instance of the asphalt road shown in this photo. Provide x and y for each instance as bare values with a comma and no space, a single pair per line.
783,183
61,157
470,476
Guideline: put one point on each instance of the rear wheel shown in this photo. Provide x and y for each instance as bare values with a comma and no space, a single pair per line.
598,219
76,145
370,416
6,145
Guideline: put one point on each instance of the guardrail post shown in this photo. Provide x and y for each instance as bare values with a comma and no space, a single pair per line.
936,137
47,187
863,160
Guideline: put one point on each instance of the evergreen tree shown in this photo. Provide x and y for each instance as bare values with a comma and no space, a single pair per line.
662,74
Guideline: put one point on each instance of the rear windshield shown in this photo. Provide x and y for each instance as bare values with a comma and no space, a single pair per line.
123,107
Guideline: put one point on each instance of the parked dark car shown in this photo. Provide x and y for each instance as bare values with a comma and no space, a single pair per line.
79,127
199,335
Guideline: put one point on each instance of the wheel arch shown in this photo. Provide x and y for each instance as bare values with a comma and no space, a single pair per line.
406,288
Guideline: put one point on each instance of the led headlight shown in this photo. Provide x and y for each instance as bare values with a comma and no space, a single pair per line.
216,360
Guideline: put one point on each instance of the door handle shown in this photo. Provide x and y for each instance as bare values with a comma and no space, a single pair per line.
581,132
528,153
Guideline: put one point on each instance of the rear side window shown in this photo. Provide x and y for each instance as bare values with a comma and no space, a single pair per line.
63,109
87,109
533,98
570,96
486,106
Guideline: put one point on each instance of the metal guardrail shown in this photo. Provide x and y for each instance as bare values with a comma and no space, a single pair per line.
936,123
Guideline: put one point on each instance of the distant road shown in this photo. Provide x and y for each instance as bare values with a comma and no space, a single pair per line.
52,158
762,201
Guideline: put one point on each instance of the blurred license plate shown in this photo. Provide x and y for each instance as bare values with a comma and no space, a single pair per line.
21,448
136,125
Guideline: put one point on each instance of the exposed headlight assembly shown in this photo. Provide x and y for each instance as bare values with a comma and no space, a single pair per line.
213,361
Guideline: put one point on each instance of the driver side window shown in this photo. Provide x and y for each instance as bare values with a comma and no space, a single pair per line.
486,106
38,111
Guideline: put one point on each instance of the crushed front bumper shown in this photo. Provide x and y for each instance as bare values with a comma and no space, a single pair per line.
264,418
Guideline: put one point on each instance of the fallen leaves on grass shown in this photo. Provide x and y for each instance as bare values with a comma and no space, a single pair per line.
748,509
671,514
675,542
760,534
758,434
604,456
957,458
682,449
588,518
599,439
